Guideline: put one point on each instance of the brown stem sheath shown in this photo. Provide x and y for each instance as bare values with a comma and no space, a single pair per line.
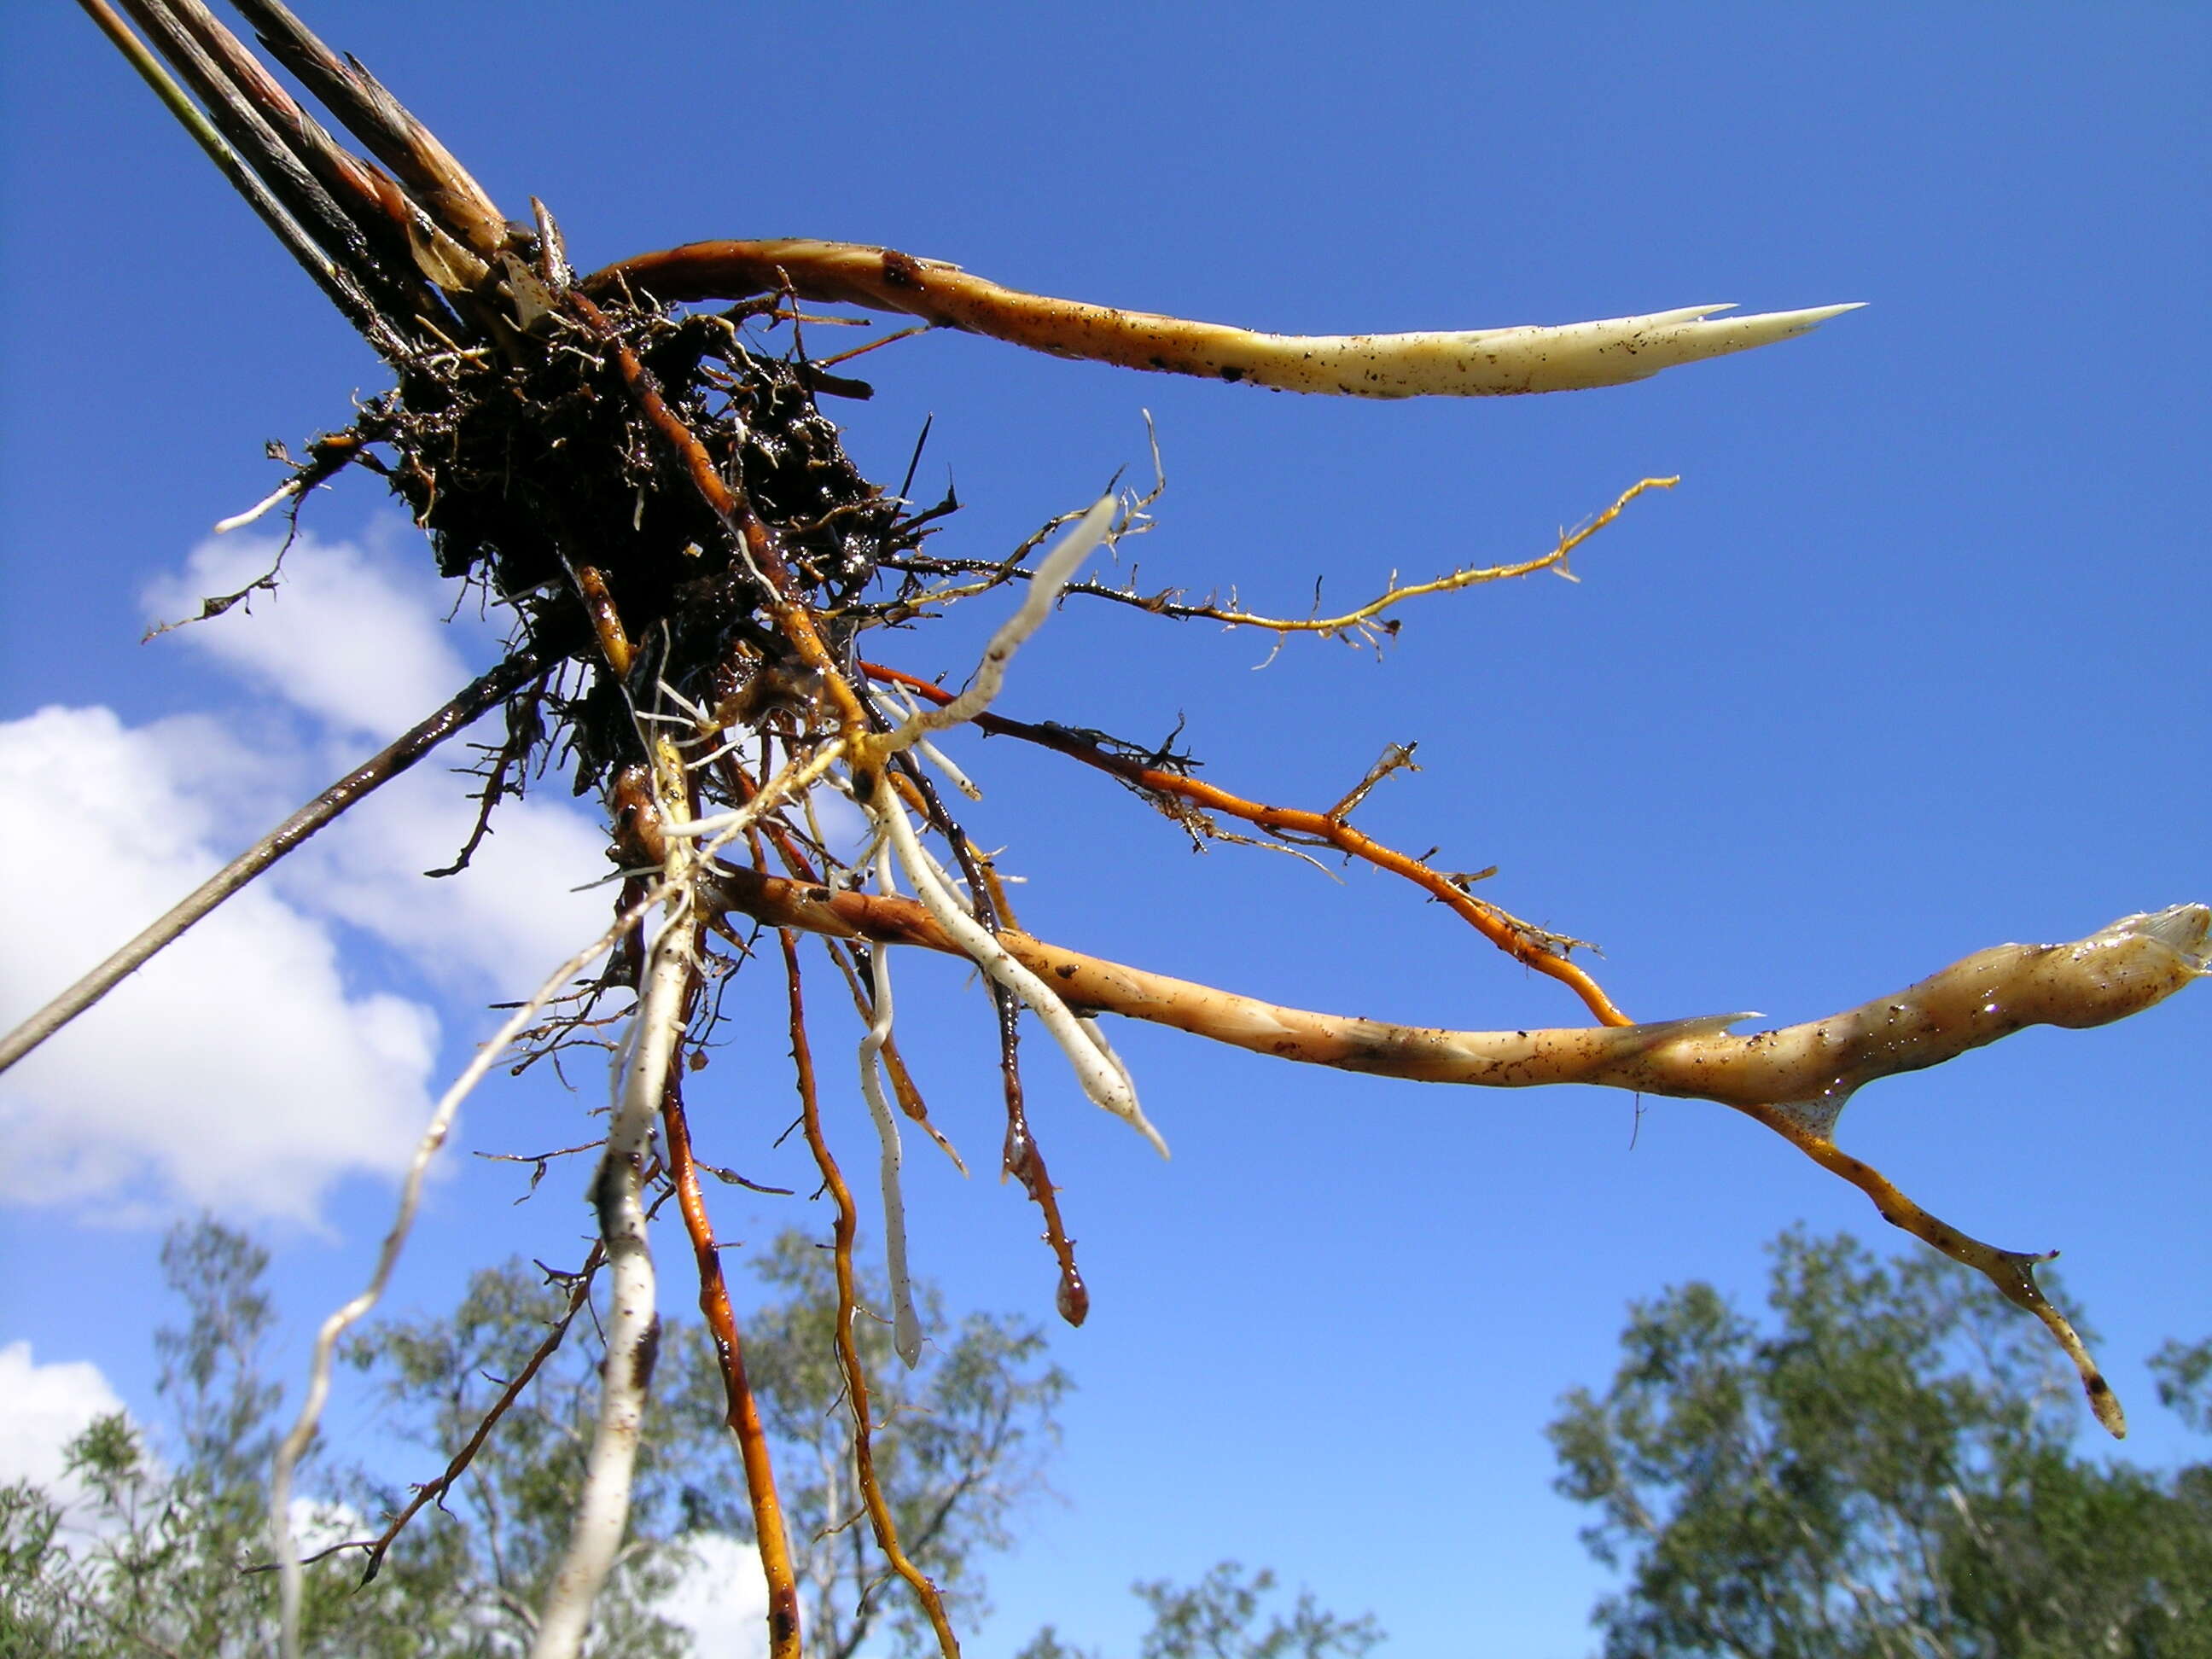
372,202
338,285
235,113
372,115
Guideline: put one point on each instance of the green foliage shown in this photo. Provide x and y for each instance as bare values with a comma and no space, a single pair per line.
1214,1619
1886,1470
1217,1618
467,1574
2184,1382
159,1559
151,1559
957,1443
156,1557
34,1574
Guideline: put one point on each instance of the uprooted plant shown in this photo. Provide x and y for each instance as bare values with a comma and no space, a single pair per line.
692,565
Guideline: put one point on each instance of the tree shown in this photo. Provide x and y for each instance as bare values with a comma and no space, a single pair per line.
165,1558
472,1566
1217,1618
957,1444
155,1556
2184,1385
1887,1470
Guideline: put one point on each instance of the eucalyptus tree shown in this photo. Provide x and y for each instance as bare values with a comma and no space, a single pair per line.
157,1541
1885,1465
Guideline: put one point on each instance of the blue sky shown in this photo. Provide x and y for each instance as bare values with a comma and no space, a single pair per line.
1910,664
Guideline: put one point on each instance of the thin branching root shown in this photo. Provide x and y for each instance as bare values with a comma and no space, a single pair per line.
690,562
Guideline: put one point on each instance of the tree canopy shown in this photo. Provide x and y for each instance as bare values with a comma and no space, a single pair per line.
1886,1467
160,1545
159,1554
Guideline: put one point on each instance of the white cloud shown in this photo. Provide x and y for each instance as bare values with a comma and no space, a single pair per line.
236,1068
318,1523
247,1067
42,1409
722,1598
493,929
346,639
357,640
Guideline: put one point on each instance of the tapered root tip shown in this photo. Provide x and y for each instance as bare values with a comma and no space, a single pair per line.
1700,332
1568,357
2184,929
